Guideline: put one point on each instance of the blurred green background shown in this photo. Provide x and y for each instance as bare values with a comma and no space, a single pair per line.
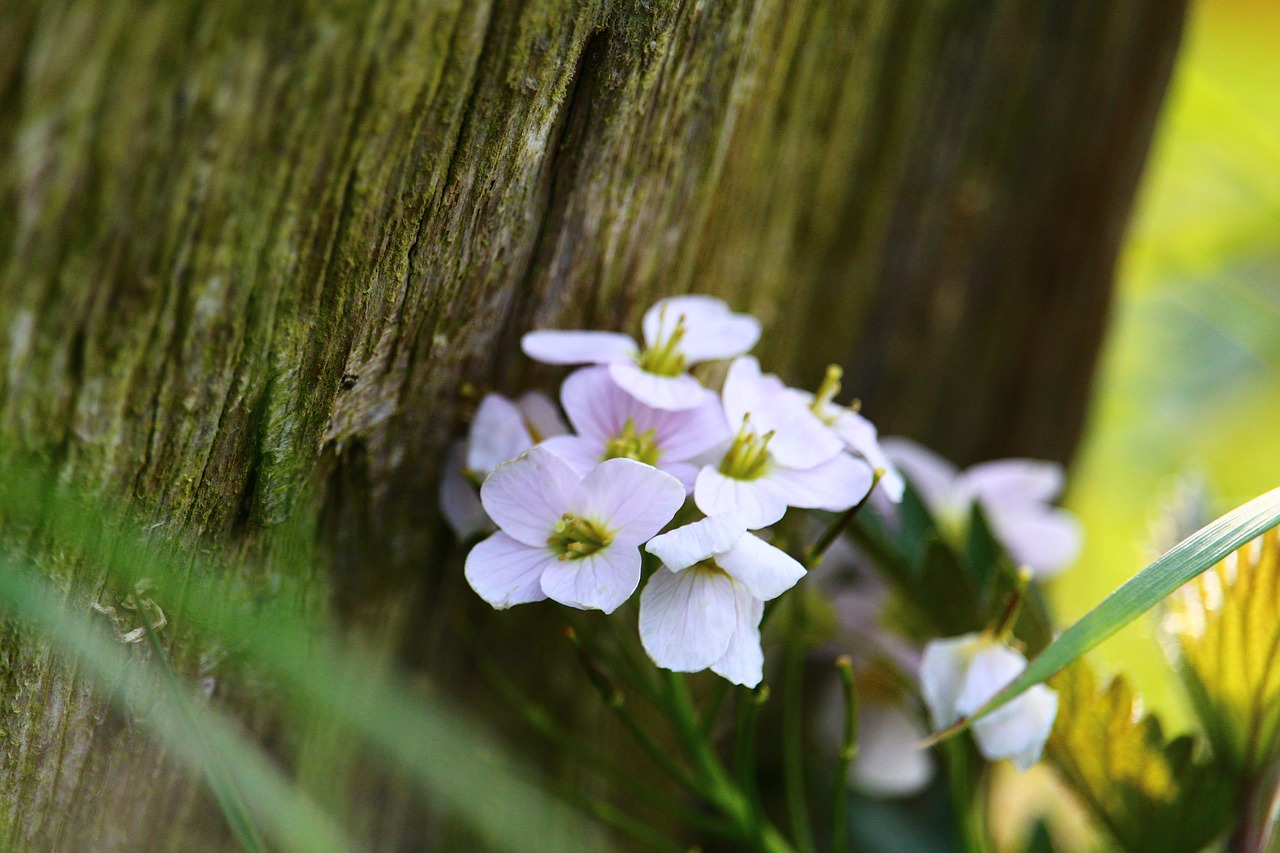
1190,382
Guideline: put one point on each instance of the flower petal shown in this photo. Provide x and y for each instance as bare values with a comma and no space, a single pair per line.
505,572
458,499
527,496
552,346
942,676
763,569
1006,482
758,500
743,661
602,581
681,548
800,439
581,454
931,476
991,667
889,763
596,406
859,435
687,433
712,330
835,485
686,473
1018,730
687,619
1045,539
672,393
632,499
498,434
541,416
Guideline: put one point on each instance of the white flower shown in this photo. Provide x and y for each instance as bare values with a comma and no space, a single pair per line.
501,430
702,609
573,539
612,424
1015,496
782,455
678,332
958,676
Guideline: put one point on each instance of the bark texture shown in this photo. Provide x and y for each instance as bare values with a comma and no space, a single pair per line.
253,254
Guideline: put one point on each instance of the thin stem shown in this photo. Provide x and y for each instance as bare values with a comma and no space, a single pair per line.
712,713
813,555
744,753
636,829
848,750
222,784
972,836
793,745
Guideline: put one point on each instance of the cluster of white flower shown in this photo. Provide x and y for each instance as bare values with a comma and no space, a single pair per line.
573,508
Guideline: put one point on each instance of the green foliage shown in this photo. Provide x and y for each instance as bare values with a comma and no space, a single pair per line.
1228,637
1149,792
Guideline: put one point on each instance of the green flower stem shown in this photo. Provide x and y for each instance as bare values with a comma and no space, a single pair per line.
637,829
965,801
848,749
813,555
744,753
712,713
793,741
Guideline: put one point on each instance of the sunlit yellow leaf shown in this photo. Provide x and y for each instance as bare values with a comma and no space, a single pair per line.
1151,794
1226,624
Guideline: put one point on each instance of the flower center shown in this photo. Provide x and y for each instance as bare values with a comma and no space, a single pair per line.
665,358
629,444
748,456
575,537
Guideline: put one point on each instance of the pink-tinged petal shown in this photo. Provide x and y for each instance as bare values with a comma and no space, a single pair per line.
889,762
687,619
602,581
498,434
1046,539
1013,482
541,416
458,499
505,572
1018,731
684,472
557,347
527,496
761,568
688,433
581,454
596,406
672,393
932,477
631,499
681,548
835,485
991,667
759,500
712,331
859,435
942,676
743,662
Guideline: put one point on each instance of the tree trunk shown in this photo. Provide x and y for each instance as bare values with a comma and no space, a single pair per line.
255,253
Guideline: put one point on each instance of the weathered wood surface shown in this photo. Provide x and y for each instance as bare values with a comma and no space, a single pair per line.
251,252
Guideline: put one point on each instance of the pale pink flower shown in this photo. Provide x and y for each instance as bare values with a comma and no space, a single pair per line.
958,676
610,424
678,332
703,608
501,430
782,455
1016,497
566,537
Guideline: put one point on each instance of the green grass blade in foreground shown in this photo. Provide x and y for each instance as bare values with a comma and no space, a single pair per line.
1184,561
288,815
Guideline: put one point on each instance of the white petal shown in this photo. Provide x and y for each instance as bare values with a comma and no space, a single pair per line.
541,415
581,454
800,439
557,347
498,434
504,572
1018,730
458,499
687,619
835,485
889,762
527,496
859,435
711,330
632,499
758,500
743,661
746,390
763,569
681,548
930,475
684,472
602,581
991,667
673,393
942,676
1006,482
1045,539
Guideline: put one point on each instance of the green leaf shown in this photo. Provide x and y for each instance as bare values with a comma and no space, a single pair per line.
1185,561
1151,794
1228,639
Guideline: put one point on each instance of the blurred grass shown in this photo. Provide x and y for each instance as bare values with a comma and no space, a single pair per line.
1190,381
